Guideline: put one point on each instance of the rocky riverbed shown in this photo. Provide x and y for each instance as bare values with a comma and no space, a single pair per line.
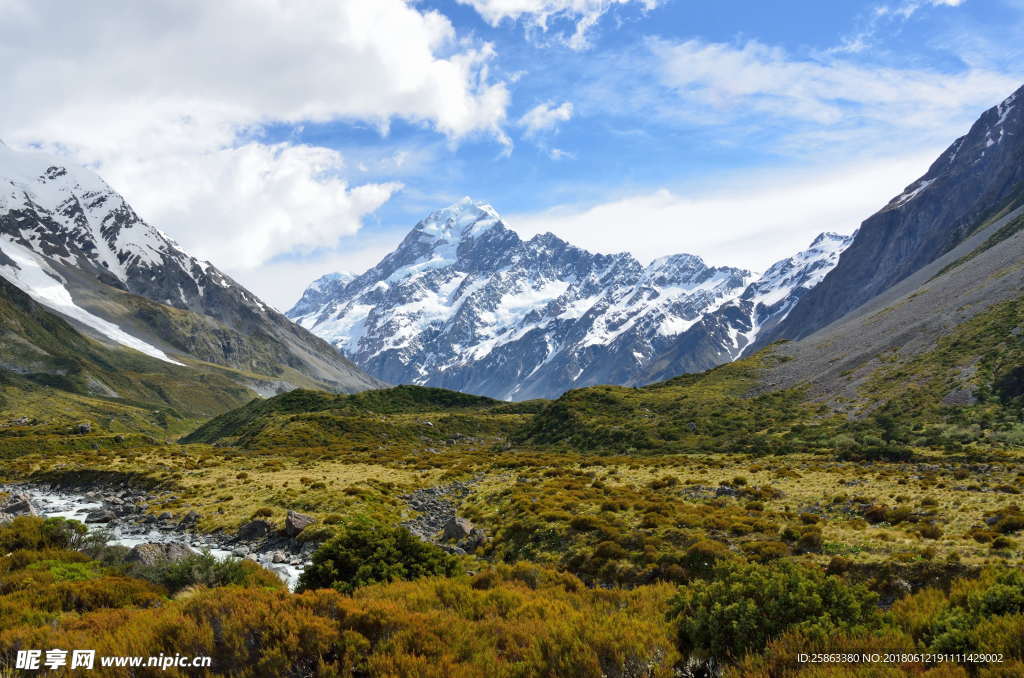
120,513
437,521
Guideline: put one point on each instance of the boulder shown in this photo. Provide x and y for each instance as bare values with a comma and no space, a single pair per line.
154,553
296,523
457,528
100,516
18,504
83,428
254,530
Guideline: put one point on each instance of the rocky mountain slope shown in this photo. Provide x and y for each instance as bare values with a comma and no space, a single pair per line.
464,303
54,375
75,246
946,333
979,177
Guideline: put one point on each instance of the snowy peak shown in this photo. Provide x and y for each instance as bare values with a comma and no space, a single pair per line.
71,215
464,219
804,270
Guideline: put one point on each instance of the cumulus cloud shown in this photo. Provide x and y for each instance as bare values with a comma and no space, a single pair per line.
753,222
545,117
167,100
250,203
540,14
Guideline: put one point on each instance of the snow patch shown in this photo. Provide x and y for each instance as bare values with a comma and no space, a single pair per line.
32,275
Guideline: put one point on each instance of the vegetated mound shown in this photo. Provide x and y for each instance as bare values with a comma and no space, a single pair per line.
704,412
320,418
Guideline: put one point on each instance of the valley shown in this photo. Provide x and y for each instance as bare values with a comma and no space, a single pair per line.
828,457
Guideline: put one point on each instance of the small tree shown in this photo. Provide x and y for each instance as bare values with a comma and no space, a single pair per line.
746,606
364,554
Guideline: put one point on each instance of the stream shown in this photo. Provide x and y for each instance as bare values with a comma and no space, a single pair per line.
126,532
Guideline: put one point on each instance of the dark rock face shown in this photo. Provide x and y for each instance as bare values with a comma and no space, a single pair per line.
463,303
153,553
254,530
981,174
101,516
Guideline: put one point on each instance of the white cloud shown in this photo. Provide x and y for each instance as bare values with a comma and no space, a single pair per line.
765,79
544,117
826,100
881,20
754,222
909,8
246,205
167,100
539,14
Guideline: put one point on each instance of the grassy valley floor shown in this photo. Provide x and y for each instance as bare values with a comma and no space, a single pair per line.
682,529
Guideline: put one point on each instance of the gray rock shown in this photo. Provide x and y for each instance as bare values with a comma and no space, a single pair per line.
254,530
278,557
240,552
83,428
457,528
296,523
18,504
972,178
154,553
100,516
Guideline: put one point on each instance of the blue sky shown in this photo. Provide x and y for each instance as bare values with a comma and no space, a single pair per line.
284,142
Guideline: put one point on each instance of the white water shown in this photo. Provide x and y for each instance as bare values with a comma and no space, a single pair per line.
53,504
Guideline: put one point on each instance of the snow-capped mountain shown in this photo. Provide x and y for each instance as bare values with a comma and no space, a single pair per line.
465,303
76,246
729,331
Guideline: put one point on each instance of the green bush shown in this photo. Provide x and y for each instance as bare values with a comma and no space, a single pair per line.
997,594
31,532
364,554
746,606
203,569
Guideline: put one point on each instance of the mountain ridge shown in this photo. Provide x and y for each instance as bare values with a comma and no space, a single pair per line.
976,176
464,303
